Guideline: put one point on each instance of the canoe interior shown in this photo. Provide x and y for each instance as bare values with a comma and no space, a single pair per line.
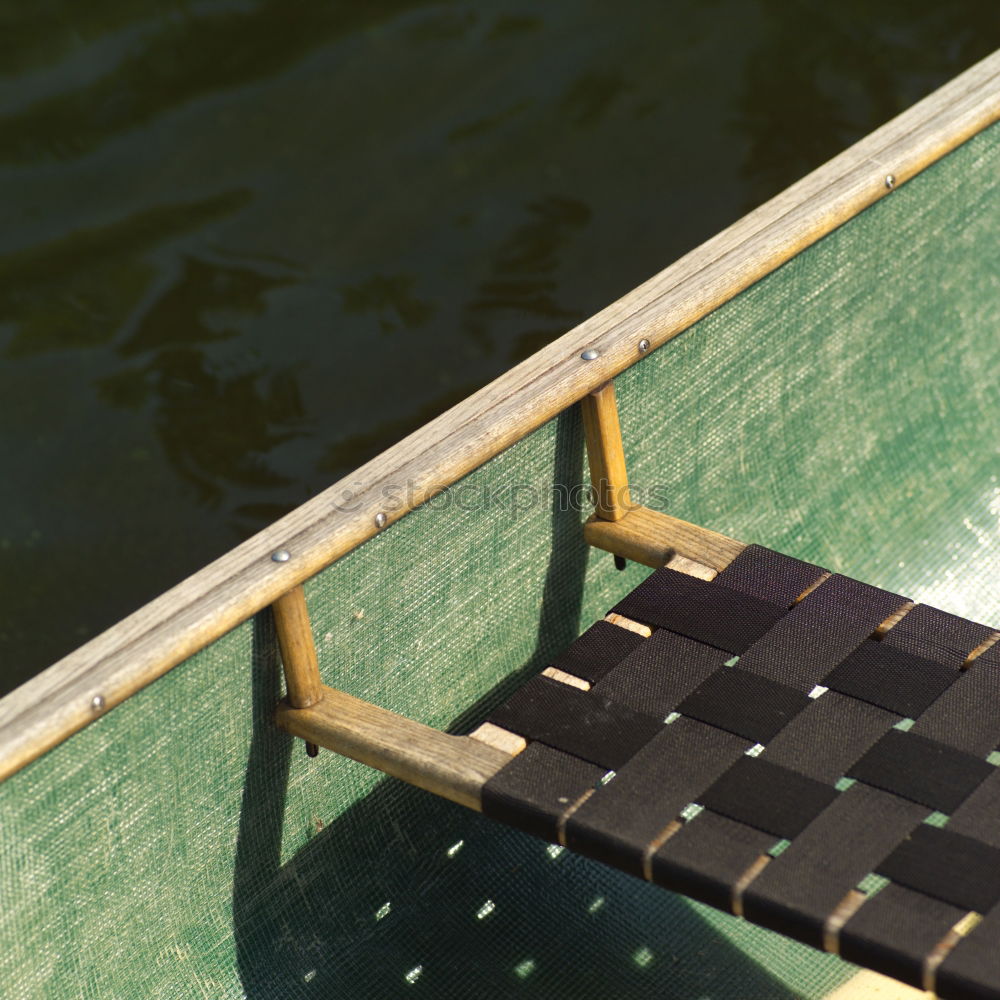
845,410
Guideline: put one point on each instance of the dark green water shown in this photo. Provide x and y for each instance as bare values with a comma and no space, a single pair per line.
247,245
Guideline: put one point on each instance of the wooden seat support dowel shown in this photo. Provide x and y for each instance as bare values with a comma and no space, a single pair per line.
454,767
606,454
298,651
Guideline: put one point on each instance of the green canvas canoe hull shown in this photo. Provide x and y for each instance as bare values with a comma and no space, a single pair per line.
845,409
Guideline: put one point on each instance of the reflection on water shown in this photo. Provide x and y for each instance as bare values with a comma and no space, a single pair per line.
181,52
247,244
851,71
522,282
391,298
81,290
214,427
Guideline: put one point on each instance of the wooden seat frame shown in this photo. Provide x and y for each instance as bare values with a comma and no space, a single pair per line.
457,767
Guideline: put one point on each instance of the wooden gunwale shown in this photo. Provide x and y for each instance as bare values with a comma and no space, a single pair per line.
142,647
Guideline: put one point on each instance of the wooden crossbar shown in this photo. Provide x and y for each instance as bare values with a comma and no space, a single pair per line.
454,767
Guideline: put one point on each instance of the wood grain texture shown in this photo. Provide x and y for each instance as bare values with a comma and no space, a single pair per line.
867,985
945,946
693,568
563,678
502,739
605,454
146,644
651,538
626,623
454,767
298,651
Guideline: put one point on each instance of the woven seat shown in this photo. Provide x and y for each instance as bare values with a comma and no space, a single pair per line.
805,750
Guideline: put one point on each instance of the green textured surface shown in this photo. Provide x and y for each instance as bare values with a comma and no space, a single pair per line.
845,410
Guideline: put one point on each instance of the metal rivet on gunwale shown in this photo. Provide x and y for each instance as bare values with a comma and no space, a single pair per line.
643,345
97,703
890,181
380,520
591,354
282,555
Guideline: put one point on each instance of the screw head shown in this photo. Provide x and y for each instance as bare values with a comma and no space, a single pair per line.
380,520
643,345
97,703
282,555
890,181
591,354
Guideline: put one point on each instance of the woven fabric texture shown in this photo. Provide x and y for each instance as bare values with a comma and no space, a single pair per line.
844,409
699,793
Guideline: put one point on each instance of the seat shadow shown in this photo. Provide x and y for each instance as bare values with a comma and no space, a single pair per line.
562,591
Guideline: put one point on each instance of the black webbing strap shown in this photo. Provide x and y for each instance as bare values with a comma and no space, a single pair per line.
665,776
769,575
658,675
535,789
791,781
798,891
891,678
896,931
819,741
949,866
828,736
937,635
967,715
972,968
707,612
577,722
921,770
819,632
979,815
899,927
706,858
975,960
743,703
768,797
597,651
